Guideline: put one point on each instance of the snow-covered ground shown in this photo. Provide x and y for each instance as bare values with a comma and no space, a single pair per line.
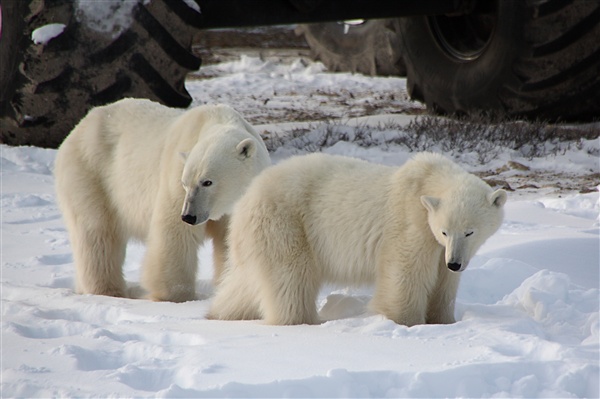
527,309
268,90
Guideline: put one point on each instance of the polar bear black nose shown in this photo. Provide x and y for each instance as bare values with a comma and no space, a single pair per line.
454,266
189,219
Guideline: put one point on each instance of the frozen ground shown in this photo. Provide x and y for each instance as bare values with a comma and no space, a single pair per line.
272,88
527,311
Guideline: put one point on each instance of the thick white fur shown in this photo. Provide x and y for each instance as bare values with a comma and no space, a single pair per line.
120,175
322,218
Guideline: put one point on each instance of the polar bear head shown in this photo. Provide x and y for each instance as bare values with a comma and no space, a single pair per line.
463,220
217,172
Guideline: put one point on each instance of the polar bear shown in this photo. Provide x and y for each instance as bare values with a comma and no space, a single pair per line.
137,169
322,218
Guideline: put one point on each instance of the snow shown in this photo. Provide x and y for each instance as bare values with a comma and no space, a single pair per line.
266,89
527,309
44,34
193,5
111,18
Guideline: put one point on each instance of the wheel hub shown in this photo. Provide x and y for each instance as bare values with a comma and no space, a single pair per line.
465,37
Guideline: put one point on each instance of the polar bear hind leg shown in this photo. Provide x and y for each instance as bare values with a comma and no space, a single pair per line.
290,296
270,273
97,238
291,279
236,298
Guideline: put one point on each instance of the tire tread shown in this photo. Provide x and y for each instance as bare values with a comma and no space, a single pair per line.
542,63
150,59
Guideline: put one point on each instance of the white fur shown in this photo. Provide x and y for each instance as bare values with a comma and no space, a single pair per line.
120,175
322,218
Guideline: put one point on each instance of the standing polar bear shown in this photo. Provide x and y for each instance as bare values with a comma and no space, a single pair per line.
322,218
137,169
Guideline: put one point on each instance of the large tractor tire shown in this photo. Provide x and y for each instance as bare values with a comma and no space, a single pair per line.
532,59
46,88
371,48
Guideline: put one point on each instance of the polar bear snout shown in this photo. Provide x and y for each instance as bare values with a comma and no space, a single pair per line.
193,219
455,267
192,215
457,263
459,250
189,219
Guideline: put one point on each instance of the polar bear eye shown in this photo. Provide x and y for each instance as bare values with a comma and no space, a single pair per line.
207,183
469,234
444,234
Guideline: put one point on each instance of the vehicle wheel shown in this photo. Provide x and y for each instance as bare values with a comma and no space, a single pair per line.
525,59
371,47
107,51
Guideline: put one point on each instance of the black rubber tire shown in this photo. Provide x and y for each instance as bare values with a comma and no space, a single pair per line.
48,88
541,61
371,48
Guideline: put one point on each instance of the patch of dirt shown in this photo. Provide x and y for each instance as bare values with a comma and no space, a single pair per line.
534,182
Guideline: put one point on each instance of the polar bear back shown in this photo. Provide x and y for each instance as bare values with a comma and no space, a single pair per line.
330,197
147,139
120,130
343,205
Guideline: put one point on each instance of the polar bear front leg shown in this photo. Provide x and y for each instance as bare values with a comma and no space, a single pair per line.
399,300
443,296
171,261
402,287
217,230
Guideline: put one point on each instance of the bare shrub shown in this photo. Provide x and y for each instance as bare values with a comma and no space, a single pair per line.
483,135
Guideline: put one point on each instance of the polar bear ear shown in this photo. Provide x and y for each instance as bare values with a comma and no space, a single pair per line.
498,198
246,148
430,203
